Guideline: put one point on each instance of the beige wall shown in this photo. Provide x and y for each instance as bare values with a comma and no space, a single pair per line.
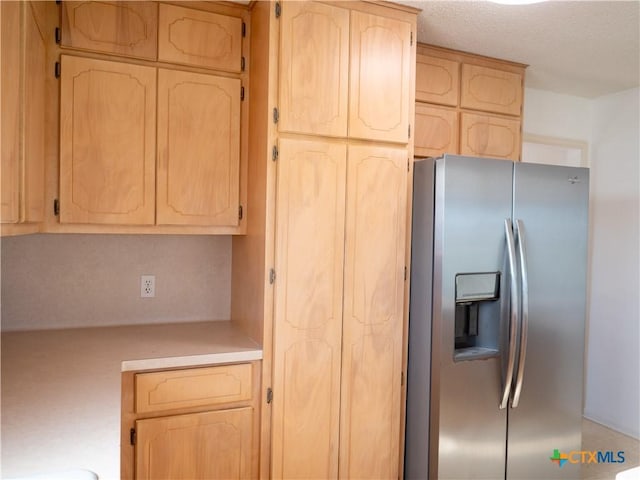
62,281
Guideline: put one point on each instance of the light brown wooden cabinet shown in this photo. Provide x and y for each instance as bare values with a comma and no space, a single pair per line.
339,226
143,144
467,104
193,423
335,61
23,118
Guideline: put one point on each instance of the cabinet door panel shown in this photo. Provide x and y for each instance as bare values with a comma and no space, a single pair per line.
198,149
199,446
204,39
373,312
491,90
34,118
380,75
436,131
10,102
490,136
107,142
314,62
437,80
308,309
119,28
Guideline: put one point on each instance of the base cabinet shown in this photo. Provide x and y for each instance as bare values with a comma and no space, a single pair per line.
196,423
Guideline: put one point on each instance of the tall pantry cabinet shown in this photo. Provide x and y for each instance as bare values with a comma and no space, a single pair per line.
330,156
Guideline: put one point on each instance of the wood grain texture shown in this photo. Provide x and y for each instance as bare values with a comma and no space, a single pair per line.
107,142
437,80
436,130
308,308
198,170
11,105
198,446
490,136
491,90
314,66
380,78
194,37
35,66
174,389
373,311
119,28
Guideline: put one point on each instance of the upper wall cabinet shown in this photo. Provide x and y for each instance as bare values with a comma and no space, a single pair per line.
467,104
107,142
314,66
334,61
118,28
202,39
23,118
380,78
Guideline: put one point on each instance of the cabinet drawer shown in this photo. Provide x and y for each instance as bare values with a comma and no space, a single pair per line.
436,131
437,80
120,28
193,387
204,39
489,136
491,90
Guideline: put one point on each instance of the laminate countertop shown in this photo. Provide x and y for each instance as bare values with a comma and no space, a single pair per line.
61,389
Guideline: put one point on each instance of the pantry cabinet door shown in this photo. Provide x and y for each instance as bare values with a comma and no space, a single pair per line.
314,63
10,102
114,27
198,149
373,312
214,445
379,97
308,309
107,142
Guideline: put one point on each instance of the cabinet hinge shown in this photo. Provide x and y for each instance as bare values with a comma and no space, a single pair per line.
58,35
242,63
58,2
272,276
411,39
274,153
57,70
401,379
409,130
132,436
408,164
241,93
240,212
276,115
278,10
56,207
244,29
405,274
269,395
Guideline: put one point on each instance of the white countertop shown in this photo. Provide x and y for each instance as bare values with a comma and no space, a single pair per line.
61,388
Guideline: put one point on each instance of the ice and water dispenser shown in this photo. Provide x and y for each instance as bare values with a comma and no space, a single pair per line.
477,315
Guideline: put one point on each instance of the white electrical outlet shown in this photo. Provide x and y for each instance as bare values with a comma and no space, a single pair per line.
147,286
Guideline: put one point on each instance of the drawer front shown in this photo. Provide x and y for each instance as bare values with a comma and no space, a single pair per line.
193,387
491,90
437,80
119,28
436,131
203,39
490,136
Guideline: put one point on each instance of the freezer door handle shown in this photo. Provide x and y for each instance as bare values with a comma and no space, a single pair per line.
513,314
524,279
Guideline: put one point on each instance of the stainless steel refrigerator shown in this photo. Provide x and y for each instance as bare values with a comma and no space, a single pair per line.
496,320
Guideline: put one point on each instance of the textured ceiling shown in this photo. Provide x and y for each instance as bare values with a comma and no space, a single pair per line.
583,48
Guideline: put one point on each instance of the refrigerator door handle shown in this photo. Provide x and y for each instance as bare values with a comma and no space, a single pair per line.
513,316
524,277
